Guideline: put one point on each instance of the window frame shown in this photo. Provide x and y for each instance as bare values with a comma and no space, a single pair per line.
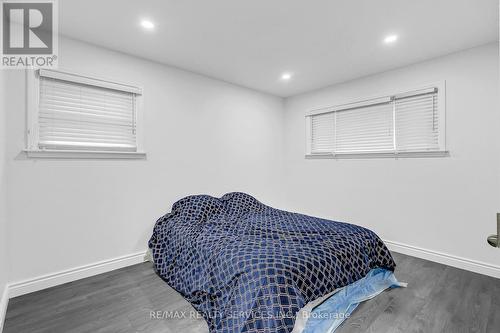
33,150
374,99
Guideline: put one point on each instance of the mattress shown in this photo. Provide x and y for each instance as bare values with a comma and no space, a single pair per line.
248,267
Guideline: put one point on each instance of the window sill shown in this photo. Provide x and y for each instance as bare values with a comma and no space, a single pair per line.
79,154
423,154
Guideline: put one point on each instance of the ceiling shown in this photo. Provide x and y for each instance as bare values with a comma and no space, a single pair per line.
252,42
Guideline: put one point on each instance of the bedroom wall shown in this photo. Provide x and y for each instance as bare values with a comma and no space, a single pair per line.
207,136
446,205
201,136
4,264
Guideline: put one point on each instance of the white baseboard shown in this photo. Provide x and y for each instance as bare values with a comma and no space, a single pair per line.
444,258
50,280
4,301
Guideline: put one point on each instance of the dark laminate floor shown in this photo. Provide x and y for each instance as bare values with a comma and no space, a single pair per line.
438,299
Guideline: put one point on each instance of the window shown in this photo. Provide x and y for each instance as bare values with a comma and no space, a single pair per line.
77,116
405,124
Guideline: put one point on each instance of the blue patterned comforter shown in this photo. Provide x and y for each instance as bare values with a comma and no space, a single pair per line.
248,267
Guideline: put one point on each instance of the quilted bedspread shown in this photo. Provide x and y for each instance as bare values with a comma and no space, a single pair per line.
248,267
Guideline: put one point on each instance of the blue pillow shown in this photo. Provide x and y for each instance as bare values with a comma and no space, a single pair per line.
238,203
198,208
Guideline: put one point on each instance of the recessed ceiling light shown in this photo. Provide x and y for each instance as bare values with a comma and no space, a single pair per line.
390,39
286,76
148,25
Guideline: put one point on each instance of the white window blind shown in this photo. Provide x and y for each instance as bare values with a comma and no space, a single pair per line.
323,128
417,122
77,116
408,122
365,129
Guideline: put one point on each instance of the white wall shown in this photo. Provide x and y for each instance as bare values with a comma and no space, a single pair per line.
4,264
201,136
440,204
206,136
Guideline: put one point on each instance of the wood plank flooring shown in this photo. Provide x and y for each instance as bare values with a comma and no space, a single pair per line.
439,298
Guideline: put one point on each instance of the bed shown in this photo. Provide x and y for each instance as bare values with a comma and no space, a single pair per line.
248,267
